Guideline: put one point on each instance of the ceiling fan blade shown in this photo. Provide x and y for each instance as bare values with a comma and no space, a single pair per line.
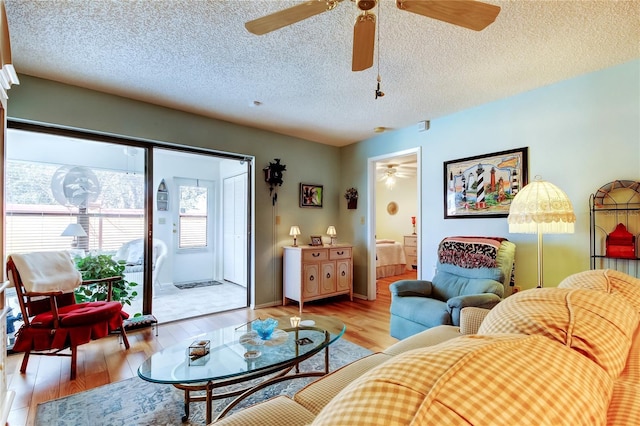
289,16
364,35
470,14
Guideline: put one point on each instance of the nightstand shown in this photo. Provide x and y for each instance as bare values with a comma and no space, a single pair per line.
411,251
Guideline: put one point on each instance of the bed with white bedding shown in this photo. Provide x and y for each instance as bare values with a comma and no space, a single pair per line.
390,258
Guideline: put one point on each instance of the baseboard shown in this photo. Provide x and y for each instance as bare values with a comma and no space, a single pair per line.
268,305
279,302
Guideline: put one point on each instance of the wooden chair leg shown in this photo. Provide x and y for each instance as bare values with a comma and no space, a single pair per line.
25,360
125,339
74,358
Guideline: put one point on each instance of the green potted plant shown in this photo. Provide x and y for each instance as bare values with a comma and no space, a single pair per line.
100,266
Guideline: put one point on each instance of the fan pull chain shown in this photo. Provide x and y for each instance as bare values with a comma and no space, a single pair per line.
379,93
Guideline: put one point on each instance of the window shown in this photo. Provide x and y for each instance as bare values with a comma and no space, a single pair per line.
44,194
193,212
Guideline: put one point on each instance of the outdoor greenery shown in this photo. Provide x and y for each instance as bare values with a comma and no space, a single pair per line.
29,183
96,266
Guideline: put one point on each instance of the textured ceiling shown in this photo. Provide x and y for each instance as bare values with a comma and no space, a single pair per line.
197,56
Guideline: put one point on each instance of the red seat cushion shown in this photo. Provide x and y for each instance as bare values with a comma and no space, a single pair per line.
79,314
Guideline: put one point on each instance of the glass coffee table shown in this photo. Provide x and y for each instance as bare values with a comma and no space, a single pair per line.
233,355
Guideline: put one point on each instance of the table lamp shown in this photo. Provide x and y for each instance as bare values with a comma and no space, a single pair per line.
541,208
74,230
331,231
294,232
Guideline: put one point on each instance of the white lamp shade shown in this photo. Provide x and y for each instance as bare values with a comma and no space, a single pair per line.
541,207
294,231
73,230
331,231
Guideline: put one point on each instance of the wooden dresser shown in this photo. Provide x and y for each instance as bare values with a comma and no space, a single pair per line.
411,251
311,273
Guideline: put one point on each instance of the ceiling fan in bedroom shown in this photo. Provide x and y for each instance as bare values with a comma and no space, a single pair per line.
470,14
390,172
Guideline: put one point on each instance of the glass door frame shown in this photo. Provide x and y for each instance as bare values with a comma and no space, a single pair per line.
149,191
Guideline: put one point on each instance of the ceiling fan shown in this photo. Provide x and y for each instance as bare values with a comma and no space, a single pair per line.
470,14
389,173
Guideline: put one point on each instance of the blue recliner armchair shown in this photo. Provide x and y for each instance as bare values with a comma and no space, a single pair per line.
462,281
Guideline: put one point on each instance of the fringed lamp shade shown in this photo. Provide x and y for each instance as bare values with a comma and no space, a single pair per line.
541,208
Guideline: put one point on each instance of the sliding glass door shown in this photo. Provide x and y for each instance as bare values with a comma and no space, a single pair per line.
91,196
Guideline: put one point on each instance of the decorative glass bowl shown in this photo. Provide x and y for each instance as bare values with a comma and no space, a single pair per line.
265,328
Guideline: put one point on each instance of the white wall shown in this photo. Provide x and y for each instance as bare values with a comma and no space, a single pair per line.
404,194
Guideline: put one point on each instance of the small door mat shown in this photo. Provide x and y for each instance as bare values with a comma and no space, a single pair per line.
197,284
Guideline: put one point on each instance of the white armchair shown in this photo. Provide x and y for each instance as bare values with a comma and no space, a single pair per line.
132,253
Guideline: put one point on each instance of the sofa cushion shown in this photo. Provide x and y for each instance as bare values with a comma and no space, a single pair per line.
452,280
598,325
607,280
471,318
280,410
456,383
625,402
317,394
429,337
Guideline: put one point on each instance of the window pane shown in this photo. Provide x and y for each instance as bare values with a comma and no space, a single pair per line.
44,195
193,216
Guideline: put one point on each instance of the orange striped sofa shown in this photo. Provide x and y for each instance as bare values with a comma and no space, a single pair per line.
568,355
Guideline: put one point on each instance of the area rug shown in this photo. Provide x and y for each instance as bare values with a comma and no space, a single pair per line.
197,284
137,402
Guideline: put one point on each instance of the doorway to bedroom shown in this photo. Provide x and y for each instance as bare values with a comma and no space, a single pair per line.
394,213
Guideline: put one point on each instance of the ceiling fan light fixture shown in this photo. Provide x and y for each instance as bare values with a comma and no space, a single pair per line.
390,180
379,129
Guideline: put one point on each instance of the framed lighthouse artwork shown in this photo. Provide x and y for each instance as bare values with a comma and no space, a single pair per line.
483,186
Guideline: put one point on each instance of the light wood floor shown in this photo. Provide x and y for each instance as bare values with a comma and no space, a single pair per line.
105,361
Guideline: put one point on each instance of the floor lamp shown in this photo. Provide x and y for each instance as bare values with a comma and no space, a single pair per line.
541,208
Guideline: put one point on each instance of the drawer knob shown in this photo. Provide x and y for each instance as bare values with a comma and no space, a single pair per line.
315,254
328,275
340,253
311,278
344,273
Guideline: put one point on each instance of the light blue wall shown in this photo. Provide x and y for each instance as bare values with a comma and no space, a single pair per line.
63,105
581,133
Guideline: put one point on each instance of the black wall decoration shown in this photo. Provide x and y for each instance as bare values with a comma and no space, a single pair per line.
273,177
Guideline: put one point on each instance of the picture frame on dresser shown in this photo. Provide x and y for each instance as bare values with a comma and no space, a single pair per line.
316,240
484,185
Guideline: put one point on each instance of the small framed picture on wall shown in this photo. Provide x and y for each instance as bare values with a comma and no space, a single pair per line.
310,195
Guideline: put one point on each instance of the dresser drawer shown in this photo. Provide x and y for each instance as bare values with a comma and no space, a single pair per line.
315,254
410,251
340,253
411,241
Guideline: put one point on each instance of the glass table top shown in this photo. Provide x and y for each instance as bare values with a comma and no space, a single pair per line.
237,350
